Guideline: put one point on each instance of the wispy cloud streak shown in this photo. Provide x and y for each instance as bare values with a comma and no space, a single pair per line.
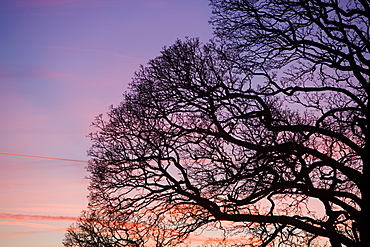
33,225
135,59
33,217
44,3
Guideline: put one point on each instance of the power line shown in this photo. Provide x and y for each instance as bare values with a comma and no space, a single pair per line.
43,157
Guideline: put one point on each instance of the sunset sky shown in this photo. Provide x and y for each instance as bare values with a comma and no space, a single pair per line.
63,62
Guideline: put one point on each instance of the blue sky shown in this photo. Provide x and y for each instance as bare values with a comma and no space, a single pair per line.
63,62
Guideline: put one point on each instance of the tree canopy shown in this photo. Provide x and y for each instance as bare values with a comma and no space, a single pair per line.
262,133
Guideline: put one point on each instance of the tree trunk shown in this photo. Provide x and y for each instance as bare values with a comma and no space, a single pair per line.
364,221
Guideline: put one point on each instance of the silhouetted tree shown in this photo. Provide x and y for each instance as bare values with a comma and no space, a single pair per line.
314,54
99,229
263,133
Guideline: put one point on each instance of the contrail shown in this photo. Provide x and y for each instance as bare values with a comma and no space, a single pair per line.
43,157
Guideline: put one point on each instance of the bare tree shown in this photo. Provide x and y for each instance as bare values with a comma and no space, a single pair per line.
95,228
263,134
314,54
